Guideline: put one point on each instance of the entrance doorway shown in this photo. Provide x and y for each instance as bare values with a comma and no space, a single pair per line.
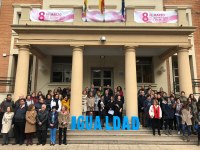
102,77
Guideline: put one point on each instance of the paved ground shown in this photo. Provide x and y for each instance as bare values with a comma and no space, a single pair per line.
101,147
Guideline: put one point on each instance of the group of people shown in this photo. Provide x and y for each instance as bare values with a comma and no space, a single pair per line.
35,114
175,112
103,102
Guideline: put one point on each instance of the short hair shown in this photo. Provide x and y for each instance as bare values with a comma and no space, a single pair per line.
22,99
30,107
148,95
9,95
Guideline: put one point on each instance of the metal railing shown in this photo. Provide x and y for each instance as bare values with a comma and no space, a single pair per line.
196,84
7,84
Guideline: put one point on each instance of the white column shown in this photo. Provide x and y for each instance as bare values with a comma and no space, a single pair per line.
185,80
77,81
130,82
21,81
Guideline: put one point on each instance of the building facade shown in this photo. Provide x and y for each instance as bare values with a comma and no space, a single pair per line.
45,55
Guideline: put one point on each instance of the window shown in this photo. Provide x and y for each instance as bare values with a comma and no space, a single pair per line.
175,74
144,70
61,69
102,77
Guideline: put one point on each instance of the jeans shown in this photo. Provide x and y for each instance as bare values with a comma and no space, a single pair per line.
53,135
186,127
178,122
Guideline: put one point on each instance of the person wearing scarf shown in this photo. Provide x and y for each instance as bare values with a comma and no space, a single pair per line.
155,113
53,124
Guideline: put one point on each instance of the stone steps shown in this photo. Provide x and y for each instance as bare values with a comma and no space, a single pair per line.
142,136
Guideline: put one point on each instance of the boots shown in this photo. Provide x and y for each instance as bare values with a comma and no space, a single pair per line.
166,131
27,142
170,131
188,139
184,138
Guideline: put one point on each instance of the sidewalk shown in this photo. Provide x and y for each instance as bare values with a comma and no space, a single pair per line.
101,147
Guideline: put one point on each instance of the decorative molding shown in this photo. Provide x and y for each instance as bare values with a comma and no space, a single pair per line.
141,7
65,6
106,7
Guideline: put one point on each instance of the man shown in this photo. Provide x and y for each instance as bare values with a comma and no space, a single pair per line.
183,98
42,120
141,100
147,104
19,121
39,104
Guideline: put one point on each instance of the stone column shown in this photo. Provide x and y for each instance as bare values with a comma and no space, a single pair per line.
130,82
21,80
185,80
77,81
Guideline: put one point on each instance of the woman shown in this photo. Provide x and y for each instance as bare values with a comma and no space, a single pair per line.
63,122
53,124
119,89
168,112
84,102
48,102
29,101
155,113
90,102
178,107
30,127
97,98
34,97
101,90
186,121
66,102
6,125
56,102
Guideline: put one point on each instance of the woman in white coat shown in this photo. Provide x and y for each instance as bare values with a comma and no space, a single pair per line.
6,125
155,113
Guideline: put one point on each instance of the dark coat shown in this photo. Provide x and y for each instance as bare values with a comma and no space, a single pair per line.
20,114
7,103
55,124
141,100
48,104
42,117
168,111
38,106
102,111
118,106
106,99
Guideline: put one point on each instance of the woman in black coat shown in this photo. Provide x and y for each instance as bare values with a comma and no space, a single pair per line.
168,107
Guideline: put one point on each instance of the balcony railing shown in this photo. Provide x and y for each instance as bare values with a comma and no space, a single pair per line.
78,11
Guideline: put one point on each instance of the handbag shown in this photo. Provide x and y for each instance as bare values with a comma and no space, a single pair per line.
111,112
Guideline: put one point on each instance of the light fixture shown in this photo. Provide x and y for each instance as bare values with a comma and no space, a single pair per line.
102,56
103,39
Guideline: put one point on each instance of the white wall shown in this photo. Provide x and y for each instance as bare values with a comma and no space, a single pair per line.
115,62
160,78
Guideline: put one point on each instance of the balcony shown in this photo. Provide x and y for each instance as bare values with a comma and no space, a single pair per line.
129,21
